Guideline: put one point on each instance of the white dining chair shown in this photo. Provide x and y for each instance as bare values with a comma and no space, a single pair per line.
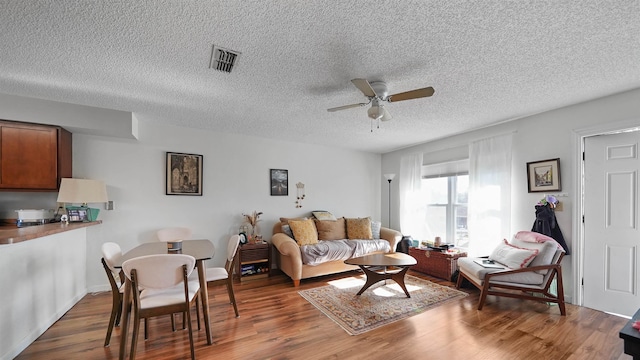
111,252
224,275
174,233
166,289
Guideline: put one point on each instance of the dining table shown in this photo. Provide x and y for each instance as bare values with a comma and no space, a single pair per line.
201,250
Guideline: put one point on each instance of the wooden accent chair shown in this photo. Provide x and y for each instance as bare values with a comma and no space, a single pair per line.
166,289
529,280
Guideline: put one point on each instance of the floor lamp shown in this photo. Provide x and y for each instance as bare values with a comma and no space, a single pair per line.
389,177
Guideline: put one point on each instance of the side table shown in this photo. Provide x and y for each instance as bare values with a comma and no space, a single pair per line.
631,337
254,261
436,263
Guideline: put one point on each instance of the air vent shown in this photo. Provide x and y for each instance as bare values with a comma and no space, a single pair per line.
223,59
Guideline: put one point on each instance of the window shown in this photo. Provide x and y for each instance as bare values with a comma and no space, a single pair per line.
445,188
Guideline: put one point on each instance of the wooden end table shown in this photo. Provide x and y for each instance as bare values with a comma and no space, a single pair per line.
377,268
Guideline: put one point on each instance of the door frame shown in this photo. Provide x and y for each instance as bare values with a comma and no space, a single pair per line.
579,135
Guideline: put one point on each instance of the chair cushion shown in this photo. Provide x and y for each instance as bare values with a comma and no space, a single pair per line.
512,256
150,298
216,273
478,272
545,245
304,231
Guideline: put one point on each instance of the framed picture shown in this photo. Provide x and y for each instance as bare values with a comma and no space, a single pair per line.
184,174
77,214
544,176
279,182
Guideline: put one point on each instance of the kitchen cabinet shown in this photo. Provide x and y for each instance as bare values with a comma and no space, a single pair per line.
33,157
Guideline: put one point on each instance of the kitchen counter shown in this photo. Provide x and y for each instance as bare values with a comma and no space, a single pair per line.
13,234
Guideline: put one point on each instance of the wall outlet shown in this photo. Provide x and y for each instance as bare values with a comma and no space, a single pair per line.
108,205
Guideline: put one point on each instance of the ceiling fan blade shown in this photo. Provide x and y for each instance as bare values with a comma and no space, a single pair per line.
413,94
364,86
346,107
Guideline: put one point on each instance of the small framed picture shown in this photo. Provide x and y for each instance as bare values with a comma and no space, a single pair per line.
279,182
544,176
184,174
77,214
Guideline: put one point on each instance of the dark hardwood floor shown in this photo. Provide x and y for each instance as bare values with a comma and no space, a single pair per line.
277,323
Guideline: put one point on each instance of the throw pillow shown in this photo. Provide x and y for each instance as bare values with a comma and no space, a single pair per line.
512,256
323,215
375,229
304,231
359,228
545,245
331,230
285,221
287,230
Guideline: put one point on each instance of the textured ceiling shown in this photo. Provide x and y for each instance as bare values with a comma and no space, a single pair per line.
489,62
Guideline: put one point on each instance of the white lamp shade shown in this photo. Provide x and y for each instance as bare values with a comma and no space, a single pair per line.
389,177
82,191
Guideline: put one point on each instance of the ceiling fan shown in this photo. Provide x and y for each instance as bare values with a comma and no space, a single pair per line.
376,92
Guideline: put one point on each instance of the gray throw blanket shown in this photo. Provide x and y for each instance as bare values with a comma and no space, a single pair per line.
329,250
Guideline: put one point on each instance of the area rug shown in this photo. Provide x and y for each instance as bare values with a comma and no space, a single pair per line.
379,305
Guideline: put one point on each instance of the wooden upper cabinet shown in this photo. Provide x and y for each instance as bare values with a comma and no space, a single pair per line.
33,157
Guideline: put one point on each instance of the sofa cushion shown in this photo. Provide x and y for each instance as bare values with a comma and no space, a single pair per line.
513,256
359,228
323,215
331,230
287,230
375,229
304,231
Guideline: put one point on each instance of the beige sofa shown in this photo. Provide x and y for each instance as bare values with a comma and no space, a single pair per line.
289,259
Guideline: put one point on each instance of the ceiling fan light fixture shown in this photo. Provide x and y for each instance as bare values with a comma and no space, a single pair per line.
376,112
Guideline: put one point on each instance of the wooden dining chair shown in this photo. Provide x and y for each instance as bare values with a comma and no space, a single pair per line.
173,234
166,289
111,252
224,275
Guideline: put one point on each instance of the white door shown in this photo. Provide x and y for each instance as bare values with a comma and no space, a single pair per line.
611,235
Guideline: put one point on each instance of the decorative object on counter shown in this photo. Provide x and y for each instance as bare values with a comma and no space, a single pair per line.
544,175
34,217
253,219
301,195
279,182
184,174
83,191
389,177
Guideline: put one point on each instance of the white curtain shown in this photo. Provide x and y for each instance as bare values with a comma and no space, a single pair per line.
489,213
412,206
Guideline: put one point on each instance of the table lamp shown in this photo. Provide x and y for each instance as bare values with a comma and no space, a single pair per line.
83,191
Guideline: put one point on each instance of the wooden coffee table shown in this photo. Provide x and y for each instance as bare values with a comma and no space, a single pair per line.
379,267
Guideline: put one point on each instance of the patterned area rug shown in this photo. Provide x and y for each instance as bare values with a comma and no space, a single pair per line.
379,305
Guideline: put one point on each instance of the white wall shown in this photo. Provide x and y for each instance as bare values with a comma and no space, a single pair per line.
41,279
236,181
539,137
